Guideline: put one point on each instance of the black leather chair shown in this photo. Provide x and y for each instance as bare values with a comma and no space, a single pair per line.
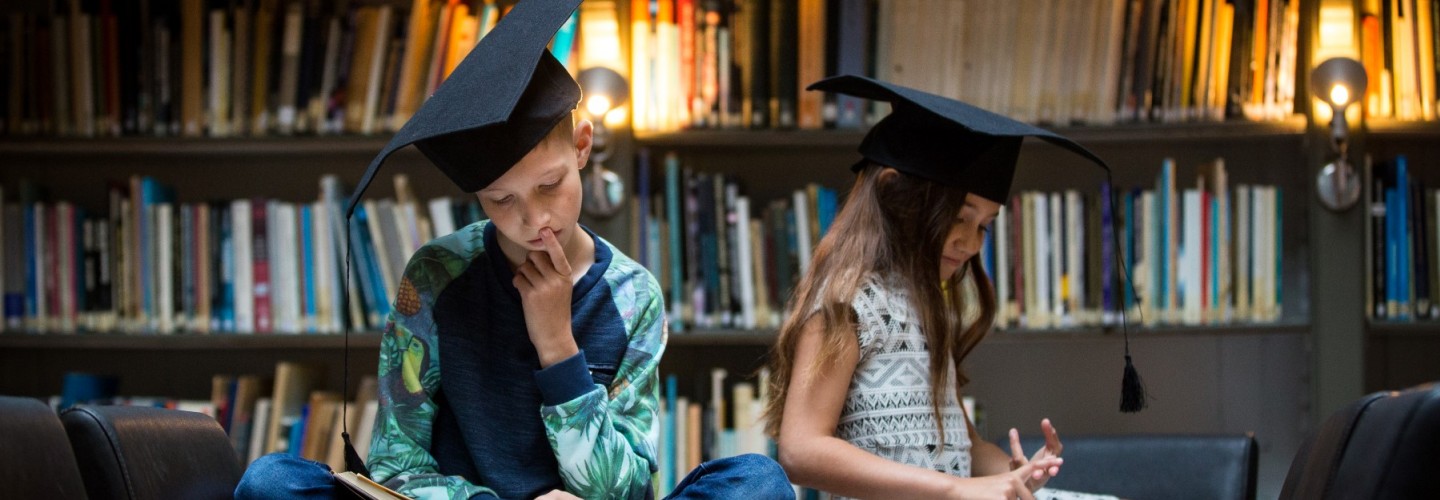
1383,446
1146,466
142,453
35,457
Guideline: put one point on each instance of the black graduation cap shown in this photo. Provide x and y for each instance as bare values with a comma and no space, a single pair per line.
497,104
956,144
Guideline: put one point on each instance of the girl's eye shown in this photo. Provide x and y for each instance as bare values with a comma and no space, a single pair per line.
504,200
552,185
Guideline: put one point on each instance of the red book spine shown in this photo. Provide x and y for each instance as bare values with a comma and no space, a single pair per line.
260,259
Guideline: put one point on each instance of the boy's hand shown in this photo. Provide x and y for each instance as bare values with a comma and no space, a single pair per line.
544,284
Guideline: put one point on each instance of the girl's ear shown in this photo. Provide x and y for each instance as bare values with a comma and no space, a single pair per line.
887,175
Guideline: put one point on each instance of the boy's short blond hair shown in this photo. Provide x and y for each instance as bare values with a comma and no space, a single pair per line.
563,133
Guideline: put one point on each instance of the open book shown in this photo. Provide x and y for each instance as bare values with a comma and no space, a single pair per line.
366,488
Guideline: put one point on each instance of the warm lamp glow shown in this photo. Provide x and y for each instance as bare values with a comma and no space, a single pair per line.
598,105
1339,96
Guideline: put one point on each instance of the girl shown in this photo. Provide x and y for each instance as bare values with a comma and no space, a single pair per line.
866,377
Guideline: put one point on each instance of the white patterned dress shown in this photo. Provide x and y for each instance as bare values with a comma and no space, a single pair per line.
887,410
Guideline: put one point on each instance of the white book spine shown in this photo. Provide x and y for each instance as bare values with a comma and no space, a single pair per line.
260,421
320,252
1190,278
802,229
743,262
441,216
1059,311
240,238
1001,273
165,264
290,68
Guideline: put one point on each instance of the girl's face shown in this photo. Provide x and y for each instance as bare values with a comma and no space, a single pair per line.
967,234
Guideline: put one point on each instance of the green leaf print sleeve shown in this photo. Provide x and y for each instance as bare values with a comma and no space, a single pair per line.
409,379
603,442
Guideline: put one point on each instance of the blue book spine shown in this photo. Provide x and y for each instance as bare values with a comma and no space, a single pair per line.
1392,249
297,431
226,311
32,265
672,214
360,263
1402,237
307,252
1214,301
1162,233
669,445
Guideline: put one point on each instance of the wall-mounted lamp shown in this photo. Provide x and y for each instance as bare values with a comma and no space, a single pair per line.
1338,82
604,90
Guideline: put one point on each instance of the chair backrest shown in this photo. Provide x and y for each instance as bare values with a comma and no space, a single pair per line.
1145,466
35,456
142,453
1387,450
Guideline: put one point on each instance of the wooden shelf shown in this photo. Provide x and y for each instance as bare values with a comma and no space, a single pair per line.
1119,134
1423,328
687,339
177,146
187,341
1402,129
720,337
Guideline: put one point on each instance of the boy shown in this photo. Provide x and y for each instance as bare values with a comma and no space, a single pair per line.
546,337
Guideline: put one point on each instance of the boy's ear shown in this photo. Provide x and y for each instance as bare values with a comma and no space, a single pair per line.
584,139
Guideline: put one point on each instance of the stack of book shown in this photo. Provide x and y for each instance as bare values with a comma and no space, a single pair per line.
1400,245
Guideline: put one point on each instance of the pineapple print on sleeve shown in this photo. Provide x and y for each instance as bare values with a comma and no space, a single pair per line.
410,376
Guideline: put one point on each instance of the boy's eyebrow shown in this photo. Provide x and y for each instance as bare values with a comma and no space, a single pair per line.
559,167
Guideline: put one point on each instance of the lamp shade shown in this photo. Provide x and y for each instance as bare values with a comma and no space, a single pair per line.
602,81
1342,71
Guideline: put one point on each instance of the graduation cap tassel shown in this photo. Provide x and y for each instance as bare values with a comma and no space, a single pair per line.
1132,391
353,462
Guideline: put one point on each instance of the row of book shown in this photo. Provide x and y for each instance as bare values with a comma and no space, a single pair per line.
723,259
744,63
285,412
1202,255
232,68
1398,49
155,265
1208,254
1401,242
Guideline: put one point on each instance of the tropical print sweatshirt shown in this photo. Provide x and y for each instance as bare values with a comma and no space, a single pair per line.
499,425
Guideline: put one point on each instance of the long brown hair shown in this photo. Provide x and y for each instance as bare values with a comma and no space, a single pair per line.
894,226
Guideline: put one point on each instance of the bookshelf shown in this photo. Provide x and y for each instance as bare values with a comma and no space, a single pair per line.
1219,378
1401,353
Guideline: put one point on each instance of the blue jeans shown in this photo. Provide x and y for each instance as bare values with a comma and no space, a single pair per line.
745,476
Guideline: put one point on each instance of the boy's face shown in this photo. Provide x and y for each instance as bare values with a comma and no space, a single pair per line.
967,234
541,191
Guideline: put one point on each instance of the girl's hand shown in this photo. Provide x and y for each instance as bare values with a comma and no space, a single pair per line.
1007,486
1051,449
557,495
544,284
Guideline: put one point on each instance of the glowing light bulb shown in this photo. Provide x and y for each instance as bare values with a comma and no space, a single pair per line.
598,105
1339,95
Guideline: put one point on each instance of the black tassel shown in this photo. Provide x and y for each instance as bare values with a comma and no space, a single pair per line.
1132,391
352,459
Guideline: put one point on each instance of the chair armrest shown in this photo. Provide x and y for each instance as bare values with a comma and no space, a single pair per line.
35,456
1156,465
140,452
